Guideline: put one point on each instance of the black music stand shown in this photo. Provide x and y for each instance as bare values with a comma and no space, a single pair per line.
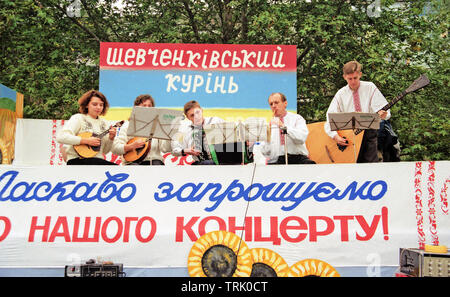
254,129
353,121
231,134
225,137
152,122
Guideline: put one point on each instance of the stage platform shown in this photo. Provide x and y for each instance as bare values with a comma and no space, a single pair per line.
354,217
384,271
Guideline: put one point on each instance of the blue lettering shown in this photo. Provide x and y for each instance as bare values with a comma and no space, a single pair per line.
217,187
249,189
269,188
323,188
382,191
27,188
60,188
121,198
169,188
194,188
87,189
38,187
273,192
235,185
13,175
44,191
306,194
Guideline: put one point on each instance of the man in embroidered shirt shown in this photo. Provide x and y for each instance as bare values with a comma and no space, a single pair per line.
288,124
194,140
357,96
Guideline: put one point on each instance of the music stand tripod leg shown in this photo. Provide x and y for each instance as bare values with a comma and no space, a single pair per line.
285,148
243,153
354,146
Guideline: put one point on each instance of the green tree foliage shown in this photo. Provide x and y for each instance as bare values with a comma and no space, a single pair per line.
49,50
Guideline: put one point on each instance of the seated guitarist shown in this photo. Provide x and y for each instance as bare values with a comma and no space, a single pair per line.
92,105
194,140
357,96
123,145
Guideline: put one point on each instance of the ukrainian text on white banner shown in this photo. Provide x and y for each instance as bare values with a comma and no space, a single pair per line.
344,214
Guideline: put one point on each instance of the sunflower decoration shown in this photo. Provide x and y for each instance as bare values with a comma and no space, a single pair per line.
312,267
219,254
267,263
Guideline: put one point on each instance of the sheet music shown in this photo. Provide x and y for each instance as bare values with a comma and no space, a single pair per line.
151,122
256,129
253,130
221,133
353,120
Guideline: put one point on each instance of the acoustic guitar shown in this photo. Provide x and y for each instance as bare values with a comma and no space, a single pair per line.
139,154
324,150
87,151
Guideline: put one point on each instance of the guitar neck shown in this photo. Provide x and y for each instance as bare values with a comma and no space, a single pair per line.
107,131
396,99
102,134
418,84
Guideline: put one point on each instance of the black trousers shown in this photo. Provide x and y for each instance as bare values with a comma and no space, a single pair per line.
204,162
294,159
89,161
154,162
368,153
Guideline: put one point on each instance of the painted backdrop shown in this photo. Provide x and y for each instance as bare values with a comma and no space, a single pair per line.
230,81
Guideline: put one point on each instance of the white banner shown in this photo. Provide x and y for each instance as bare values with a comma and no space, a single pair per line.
344,214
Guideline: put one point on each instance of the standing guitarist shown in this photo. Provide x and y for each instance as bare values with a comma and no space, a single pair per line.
92,105
358,96
147,151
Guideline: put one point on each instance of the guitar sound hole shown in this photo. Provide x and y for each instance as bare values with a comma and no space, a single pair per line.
341,147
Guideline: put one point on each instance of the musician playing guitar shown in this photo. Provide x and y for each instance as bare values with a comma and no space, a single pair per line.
139,150
357,96
92,105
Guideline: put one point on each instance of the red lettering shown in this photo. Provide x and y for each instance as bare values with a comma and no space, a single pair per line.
7,228
301,225
138,232
45,228
61,222
313,232
109,233
291,229
202,224
273,231
180,227
369,230
126,230
87,224
118,233
344,226
247,228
